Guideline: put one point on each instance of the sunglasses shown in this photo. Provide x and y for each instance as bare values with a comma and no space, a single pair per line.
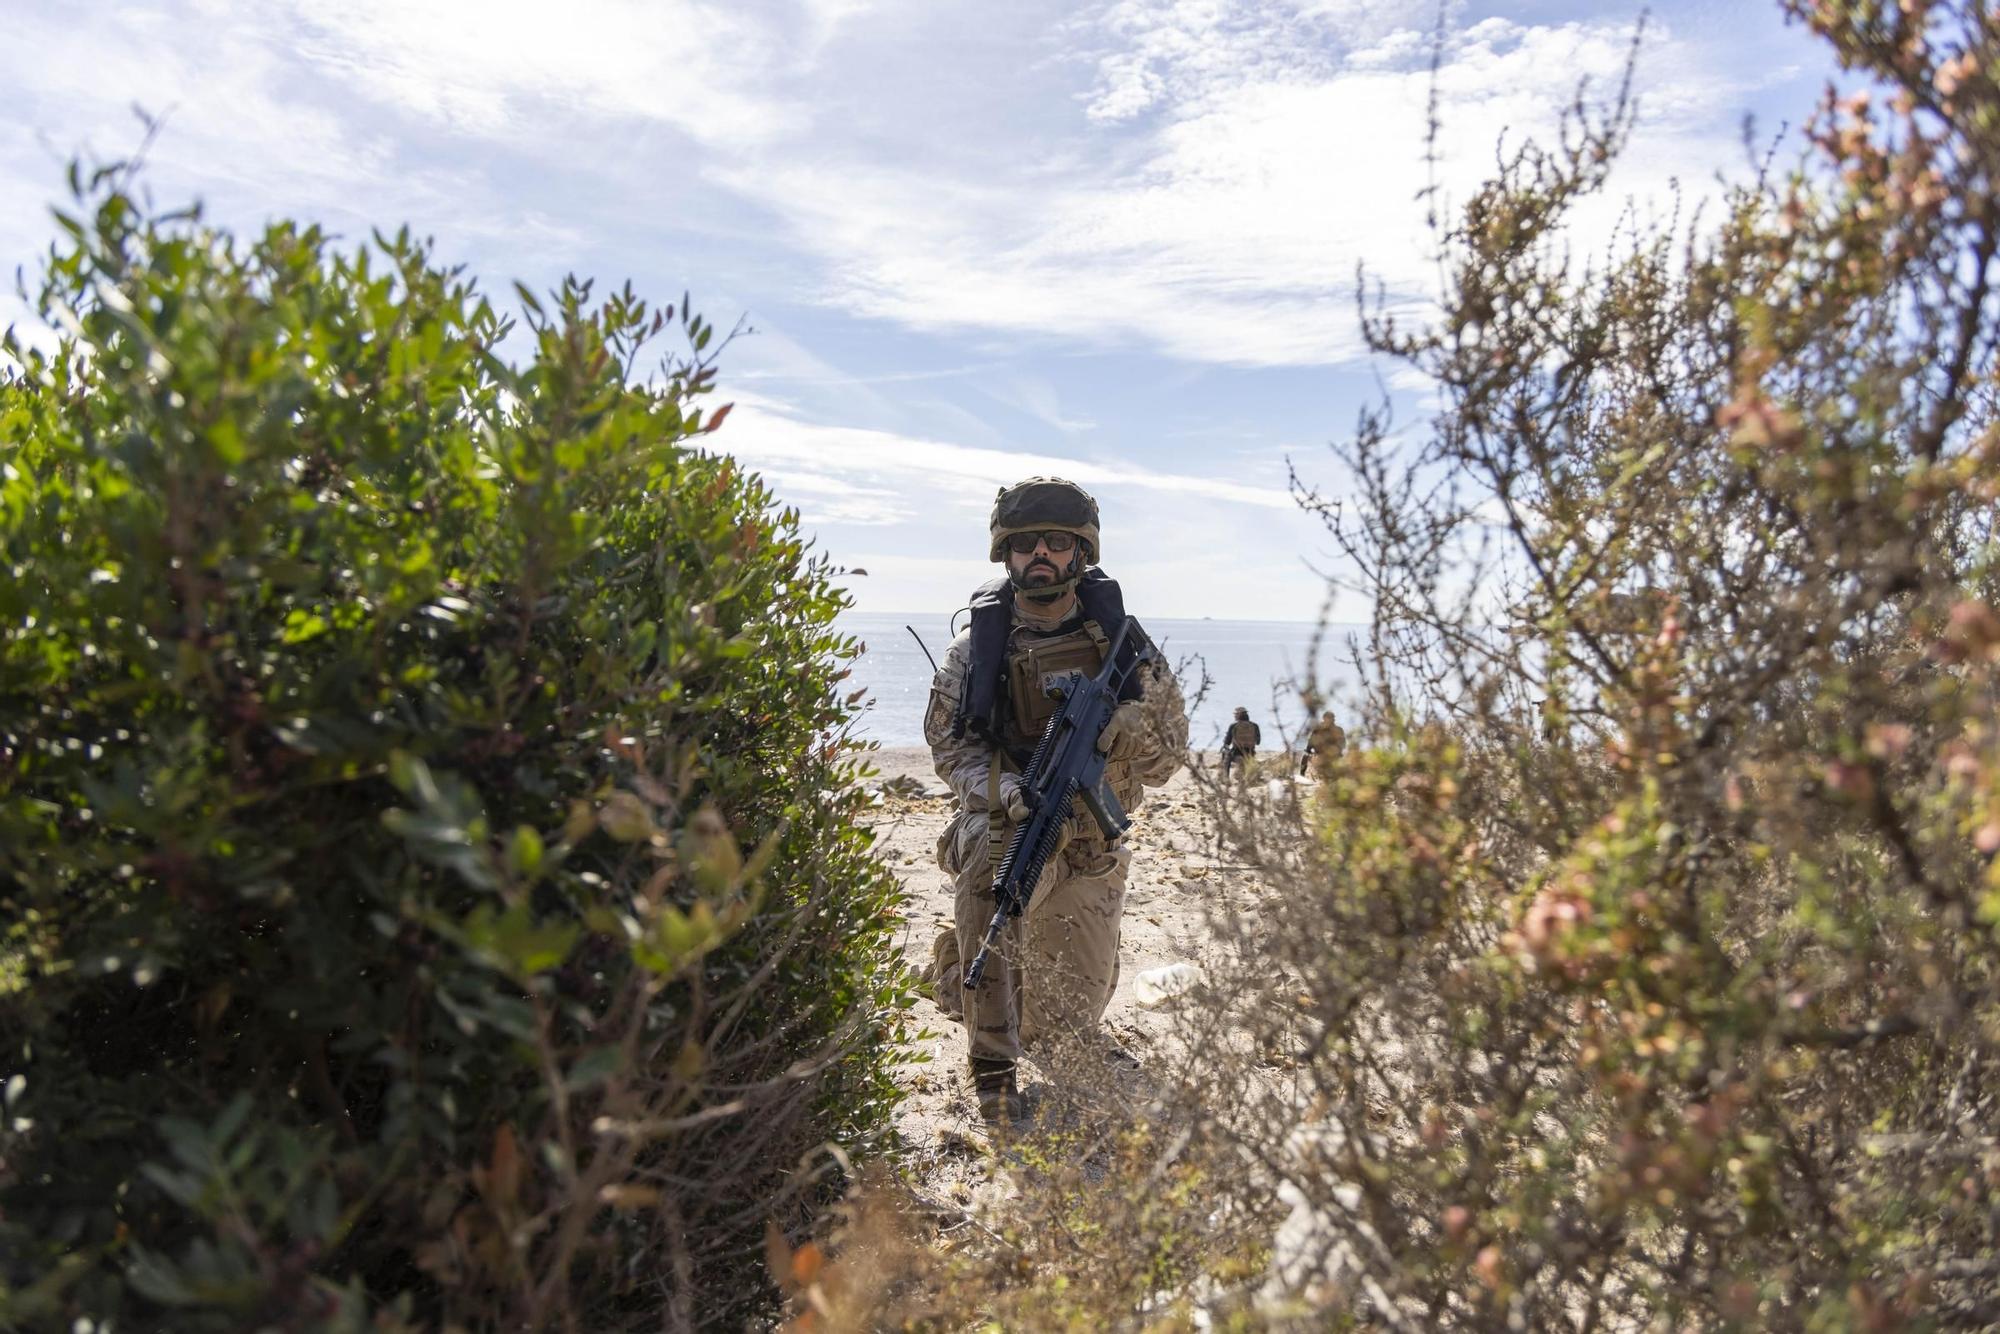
1055,539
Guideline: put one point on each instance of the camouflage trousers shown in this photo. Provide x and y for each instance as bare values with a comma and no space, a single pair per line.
1053,971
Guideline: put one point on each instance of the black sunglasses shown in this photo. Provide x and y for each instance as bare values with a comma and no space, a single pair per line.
1055,539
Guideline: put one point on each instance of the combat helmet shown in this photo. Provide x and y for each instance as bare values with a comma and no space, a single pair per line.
1044,502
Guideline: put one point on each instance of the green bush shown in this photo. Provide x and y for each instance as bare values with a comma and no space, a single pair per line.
429,861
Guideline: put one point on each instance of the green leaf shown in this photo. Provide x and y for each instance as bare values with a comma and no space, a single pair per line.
303,626
524,852
516,943
594,1067
226,440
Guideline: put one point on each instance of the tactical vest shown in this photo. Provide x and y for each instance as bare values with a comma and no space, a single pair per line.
1005,702
1036,665
1243,736
989,706
1327,738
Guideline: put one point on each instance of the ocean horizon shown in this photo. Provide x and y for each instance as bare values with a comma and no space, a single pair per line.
1259,665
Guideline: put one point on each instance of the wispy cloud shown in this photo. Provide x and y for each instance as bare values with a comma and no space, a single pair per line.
762,433
1278,148
1226,166
898,377
248,127
827,498
498,67
912,512
1174,53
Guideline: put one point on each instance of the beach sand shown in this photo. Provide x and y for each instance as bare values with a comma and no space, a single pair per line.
1175,876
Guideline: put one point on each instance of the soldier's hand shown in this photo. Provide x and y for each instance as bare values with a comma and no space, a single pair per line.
1081,824
1012,799
1123,733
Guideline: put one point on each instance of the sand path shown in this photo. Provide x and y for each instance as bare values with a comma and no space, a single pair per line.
1175,875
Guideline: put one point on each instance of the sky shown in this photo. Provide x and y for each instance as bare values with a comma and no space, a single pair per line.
1116,242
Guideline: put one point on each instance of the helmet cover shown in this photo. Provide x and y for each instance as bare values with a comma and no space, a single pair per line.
1040,503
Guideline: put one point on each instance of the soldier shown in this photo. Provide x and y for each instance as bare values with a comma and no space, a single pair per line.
1326,738
1241,740
1054,970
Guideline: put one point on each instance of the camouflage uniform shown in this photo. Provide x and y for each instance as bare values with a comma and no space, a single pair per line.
1240,741
1056,966
1326,742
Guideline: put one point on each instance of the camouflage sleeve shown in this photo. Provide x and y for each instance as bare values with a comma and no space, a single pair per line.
1163,746
965,764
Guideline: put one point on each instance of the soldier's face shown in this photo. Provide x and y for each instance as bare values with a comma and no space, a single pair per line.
1041,567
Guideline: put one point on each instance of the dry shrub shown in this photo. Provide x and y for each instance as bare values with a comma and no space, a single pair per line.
1653,981
1264,766
1119,1207
1656,981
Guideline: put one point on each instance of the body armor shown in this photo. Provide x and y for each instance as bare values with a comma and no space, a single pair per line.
1036,665
986,707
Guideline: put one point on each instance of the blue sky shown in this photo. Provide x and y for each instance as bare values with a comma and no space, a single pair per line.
1115,241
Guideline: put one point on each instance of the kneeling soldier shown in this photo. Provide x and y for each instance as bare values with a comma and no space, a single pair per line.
1327,740
1240,742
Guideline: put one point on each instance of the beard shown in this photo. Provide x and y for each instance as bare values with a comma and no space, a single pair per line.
1037,582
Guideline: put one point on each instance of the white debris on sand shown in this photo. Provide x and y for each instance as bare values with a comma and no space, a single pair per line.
1156,986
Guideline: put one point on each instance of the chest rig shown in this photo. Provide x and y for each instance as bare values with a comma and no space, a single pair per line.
1003,702
1038,663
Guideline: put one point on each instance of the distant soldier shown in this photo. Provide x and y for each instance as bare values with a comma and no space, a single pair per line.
1054,613
1327,739
1240,742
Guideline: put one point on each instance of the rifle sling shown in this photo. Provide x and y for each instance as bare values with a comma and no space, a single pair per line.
996,818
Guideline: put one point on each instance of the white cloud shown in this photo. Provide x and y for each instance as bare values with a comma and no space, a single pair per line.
363,110
1227,165
836,378
1191,177
912,512
824,498
497,67
1181,52
764,435
220,89
1036,398
1273,161
245,129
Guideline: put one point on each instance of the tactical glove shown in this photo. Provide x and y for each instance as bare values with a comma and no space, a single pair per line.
1123,734
1011,799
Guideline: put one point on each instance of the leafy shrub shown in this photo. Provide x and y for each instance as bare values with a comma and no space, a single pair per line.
429,861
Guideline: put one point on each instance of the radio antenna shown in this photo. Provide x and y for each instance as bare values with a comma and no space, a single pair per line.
920,644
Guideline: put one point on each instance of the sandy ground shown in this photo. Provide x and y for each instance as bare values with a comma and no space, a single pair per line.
1175,874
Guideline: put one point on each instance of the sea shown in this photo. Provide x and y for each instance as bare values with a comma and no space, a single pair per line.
1257,664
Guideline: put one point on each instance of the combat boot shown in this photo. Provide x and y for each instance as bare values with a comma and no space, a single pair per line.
1000,1103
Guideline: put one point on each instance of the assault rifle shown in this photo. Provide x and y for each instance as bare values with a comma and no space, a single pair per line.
1066,766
